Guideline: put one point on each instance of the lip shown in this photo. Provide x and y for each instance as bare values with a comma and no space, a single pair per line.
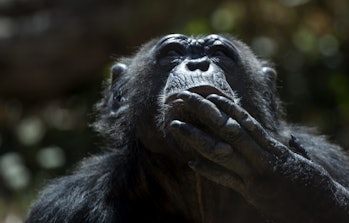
203,90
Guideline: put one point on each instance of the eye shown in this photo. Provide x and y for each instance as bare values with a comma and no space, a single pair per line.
171,50
221,51
174,53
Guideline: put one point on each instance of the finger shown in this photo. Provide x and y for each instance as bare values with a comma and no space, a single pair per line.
225,127
206,111
218,175
251,125
211,116
216,151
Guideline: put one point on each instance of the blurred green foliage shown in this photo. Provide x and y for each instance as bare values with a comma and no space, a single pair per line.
307,40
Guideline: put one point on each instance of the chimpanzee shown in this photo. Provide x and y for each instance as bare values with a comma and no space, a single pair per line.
197,133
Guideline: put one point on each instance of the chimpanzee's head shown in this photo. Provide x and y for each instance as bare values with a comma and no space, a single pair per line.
141,97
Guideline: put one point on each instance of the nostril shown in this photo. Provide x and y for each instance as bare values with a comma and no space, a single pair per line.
201,65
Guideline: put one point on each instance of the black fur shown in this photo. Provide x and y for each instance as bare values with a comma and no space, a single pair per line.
145,176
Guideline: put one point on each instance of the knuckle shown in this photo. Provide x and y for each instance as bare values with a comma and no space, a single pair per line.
231,126
231,131
222,149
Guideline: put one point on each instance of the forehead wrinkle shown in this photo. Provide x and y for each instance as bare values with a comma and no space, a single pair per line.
195,41
174,36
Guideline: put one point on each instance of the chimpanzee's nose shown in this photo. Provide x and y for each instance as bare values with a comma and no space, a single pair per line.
201,64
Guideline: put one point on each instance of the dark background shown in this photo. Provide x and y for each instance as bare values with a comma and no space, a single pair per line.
54,55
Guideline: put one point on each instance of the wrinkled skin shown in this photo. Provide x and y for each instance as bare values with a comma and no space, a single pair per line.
198,135
252,162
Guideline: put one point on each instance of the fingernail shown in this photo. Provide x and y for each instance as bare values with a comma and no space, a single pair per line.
183,95
212,96
176,124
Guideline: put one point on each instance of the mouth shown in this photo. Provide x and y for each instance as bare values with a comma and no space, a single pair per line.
203,90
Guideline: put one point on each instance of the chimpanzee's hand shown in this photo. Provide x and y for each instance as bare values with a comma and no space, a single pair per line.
268,174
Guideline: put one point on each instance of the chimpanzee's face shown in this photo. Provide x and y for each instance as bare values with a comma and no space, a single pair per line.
203,65
200,65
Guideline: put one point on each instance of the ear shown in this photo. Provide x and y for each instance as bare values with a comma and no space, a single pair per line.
270,74
117,98
116,102
117,70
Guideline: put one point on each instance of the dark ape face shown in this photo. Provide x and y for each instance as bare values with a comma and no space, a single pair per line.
144,88
197,65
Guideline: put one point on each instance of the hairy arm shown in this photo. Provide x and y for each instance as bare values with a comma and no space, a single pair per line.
282,182
80,197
